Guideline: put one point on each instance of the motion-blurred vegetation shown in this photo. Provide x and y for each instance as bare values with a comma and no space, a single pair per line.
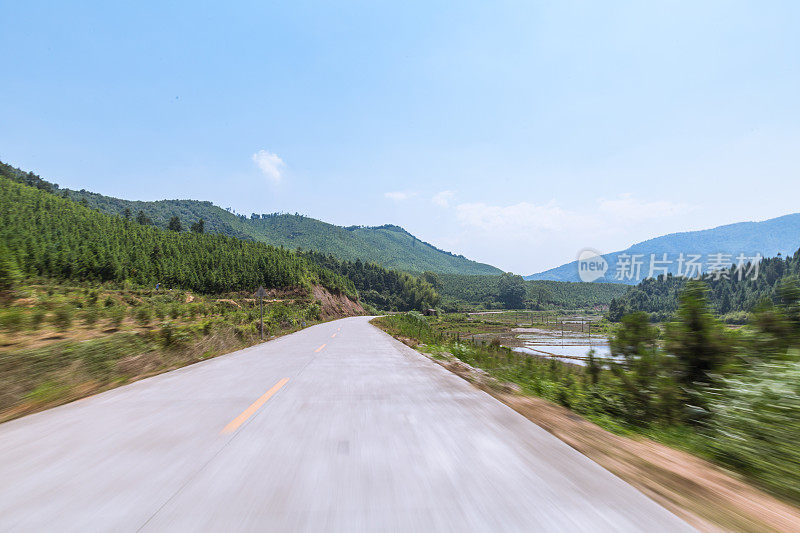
729,395
60,342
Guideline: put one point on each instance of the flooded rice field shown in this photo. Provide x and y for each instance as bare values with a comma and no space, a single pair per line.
567,338
564,345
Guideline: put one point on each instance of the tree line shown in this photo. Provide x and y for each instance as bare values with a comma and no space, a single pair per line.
729,296
509,291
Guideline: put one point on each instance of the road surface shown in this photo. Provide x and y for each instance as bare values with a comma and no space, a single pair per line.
338,427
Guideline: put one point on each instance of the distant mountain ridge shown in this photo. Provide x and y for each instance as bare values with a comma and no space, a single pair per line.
767,238
388,245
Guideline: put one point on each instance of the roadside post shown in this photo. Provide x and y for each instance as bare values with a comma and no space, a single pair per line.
261,293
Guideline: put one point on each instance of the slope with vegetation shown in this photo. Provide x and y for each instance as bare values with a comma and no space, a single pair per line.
60,341
388,245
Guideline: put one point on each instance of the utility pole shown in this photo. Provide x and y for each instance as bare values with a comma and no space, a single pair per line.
261,293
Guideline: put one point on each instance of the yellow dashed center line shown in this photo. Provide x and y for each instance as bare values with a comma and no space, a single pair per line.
334,335
320,348
234,424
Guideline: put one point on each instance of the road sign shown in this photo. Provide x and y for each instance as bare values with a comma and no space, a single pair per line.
260,293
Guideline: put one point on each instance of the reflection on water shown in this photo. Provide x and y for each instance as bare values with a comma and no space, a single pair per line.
567,346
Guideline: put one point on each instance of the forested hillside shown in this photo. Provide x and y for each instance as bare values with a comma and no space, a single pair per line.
486,292
728,296
389,246
380,287
45,235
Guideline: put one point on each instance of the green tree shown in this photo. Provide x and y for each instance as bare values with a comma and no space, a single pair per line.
143,219
511,291
199,226
593,367
636,344
433,279
175,224
696,338
9,272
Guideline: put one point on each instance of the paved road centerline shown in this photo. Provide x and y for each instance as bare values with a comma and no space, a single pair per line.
320,348
234,424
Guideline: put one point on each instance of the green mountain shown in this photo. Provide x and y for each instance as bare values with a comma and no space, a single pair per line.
768,238
388,245
43,234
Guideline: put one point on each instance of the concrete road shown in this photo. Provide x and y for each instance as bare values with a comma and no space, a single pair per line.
335,428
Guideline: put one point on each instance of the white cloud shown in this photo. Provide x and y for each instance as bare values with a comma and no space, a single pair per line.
536,236
399,196
627,207
442,199
271,165
523,217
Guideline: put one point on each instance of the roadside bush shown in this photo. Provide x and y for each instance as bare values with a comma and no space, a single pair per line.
116,316
172,335
12,319
90,317
207,327
37,317
62,318
314,311
143,315
92,300
167,334
755,423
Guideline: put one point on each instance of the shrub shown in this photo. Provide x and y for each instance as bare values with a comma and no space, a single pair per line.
116,316
755,422
314,311
92,300
37,318
62,318
167,334
90,317
12,319
143,315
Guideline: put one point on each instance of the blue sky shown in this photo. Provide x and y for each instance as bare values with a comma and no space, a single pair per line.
515,133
